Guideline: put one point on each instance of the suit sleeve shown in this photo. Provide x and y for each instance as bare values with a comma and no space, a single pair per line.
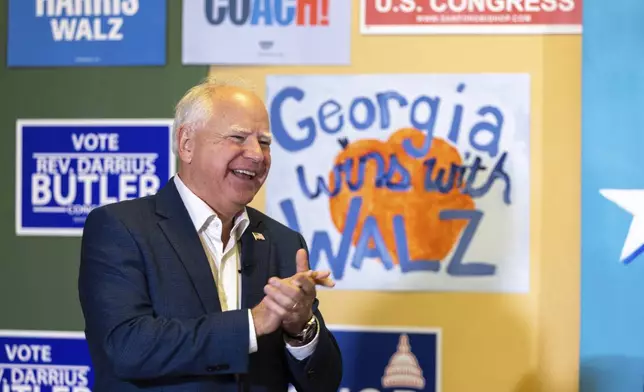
121,322
322,371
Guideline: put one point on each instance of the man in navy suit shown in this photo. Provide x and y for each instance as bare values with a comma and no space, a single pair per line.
190,289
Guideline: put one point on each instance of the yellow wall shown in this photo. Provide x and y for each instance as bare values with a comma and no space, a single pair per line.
491,342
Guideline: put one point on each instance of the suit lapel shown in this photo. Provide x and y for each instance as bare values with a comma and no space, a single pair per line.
180,232
256,262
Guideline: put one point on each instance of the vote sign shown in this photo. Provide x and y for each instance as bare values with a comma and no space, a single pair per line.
42,361
66,168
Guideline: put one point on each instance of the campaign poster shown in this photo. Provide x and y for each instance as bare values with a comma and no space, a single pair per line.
267,32
412,182
85,33
45,361
612,199
66,168
389,359
470,17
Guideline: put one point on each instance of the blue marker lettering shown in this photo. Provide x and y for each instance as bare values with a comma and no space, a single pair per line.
321,241
383,104
370,230
405,178
498,173
321,184
277,124
455,129
456,266
439,183
492,148
363,113
407,265
370,115
324,114
427,126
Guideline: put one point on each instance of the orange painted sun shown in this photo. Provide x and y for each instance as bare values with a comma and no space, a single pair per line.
428,237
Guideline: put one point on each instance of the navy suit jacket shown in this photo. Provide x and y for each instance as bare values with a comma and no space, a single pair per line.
153,319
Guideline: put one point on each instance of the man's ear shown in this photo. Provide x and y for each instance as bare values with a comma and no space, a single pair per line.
185,143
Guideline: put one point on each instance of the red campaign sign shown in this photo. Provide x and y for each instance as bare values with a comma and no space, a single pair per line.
471,16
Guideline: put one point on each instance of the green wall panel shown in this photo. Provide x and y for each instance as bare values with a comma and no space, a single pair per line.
38,274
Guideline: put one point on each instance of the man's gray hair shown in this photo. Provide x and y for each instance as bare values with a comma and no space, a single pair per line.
195,107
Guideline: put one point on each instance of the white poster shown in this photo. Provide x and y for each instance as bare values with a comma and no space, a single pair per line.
267,32
406,182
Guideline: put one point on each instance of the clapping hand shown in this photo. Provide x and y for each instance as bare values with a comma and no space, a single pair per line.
289,301
297,293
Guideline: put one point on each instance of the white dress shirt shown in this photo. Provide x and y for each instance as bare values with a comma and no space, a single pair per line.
225,262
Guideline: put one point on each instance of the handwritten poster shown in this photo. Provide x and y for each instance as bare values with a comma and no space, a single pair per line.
405,182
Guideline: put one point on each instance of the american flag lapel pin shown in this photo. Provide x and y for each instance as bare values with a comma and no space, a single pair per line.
258,236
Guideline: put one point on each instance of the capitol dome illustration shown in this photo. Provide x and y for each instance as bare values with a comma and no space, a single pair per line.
403,370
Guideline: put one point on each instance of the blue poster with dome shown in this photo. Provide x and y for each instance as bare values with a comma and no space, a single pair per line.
389,359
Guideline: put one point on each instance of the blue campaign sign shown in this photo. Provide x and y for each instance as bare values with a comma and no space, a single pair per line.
45,361
86,33
389,359
65,168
